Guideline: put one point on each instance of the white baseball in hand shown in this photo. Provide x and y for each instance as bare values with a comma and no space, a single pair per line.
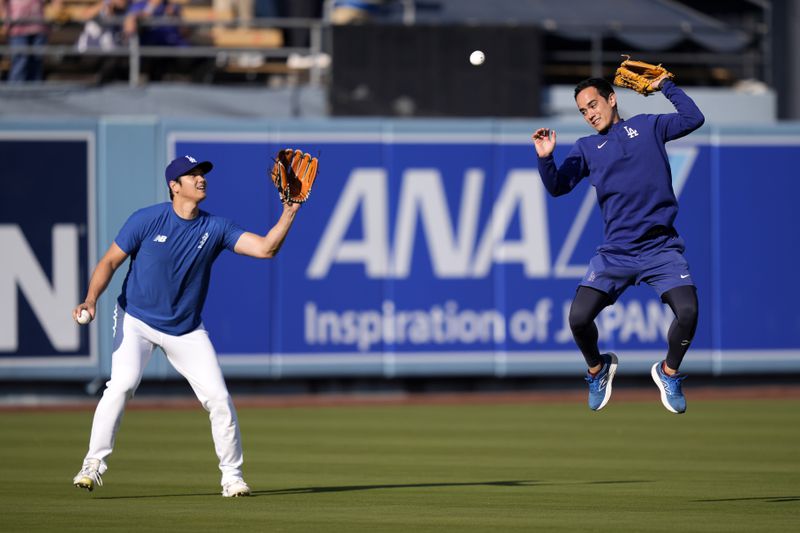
84,318
477,58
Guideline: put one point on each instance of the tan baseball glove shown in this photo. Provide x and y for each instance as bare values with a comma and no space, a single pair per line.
639,75
293,174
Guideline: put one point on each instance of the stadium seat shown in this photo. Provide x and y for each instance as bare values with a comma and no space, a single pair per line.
247,37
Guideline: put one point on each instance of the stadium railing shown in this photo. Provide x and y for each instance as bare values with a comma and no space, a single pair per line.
232,44
228,41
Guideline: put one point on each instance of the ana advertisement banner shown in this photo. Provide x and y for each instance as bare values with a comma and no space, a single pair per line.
444,253
47,242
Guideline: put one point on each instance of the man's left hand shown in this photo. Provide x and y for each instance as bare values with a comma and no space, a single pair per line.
656,85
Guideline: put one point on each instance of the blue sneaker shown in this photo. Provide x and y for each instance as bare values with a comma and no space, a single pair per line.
600,384
670,386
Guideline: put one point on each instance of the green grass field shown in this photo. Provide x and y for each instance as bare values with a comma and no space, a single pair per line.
724,466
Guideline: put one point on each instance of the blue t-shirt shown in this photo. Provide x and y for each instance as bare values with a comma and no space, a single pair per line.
629,167
170,268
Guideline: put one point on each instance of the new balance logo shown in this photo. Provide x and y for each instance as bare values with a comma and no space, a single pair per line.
160,238
631,132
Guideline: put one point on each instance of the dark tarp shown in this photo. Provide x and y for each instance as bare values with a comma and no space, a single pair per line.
643,24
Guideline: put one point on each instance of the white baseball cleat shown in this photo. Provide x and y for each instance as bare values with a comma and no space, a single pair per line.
89,476
235,489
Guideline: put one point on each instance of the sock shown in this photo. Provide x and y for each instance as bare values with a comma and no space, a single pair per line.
664,369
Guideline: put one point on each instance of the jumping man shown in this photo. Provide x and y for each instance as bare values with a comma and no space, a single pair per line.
172,246
626,161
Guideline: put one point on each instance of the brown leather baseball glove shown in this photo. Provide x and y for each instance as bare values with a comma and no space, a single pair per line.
639,75
293,174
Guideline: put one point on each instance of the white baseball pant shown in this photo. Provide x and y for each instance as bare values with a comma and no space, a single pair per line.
194,357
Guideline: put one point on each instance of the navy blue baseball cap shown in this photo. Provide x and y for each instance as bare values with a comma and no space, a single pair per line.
183,165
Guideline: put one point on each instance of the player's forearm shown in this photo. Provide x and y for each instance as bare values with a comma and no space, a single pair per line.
549,174
691,117
556,180
101,277
273,240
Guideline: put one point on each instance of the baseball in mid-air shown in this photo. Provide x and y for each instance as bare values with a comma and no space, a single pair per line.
84,318
477,58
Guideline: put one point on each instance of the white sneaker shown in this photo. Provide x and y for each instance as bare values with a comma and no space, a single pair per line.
89,476
235,489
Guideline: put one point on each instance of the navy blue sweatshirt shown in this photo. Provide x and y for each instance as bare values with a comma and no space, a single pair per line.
629,168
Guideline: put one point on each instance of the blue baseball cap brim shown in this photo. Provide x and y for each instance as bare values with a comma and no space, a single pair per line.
184,165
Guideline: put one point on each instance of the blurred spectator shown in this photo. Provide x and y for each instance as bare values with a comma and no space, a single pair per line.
21,31
160,35
155,35
103,31
100,30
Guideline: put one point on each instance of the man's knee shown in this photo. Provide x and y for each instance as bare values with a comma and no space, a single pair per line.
683,301
579,319
121,387
686,314
218,403
585,307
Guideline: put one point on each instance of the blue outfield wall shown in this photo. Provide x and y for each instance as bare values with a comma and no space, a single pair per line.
427,248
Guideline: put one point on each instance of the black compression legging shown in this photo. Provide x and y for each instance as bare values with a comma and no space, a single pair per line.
683,302
589,302
585,307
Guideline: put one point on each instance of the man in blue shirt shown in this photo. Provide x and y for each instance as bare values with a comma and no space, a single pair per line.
626,161
172,247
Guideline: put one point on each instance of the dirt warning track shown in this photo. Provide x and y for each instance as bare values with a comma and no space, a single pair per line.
639,394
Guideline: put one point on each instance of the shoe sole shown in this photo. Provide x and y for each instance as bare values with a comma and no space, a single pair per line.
612,370
84,483
237,495
657,379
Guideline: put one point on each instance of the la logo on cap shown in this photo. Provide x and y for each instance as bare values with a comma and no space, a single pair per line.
183,164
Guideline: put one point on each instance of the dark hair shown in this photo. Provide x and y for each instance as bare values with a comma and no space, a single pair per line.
604,88
171,196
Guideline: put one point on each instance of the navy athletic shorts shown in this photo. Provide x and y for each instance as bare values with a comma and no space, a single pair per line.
658,262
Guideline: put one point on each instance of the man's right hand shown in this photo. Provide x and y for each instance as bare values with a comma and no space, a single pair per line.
89,306
544,140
